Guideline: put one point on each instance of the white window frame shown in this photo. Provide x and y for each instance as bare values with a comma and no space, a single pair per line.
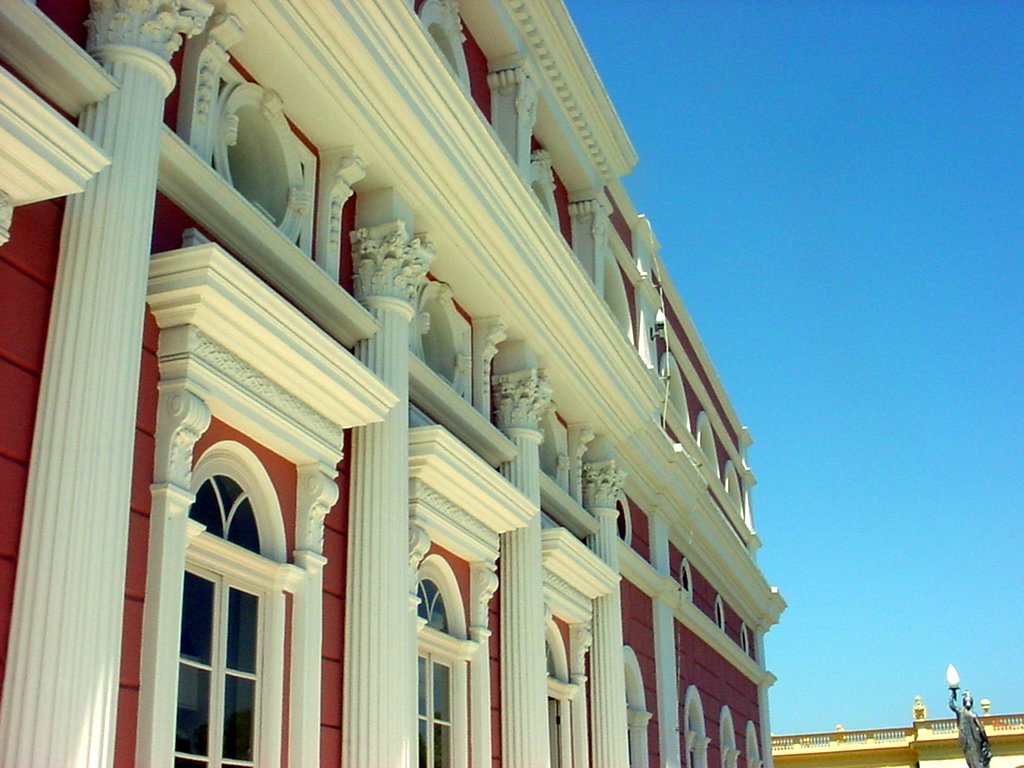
719,612
637,715
695,740
561,691
753,746
686,578
728,754
452,649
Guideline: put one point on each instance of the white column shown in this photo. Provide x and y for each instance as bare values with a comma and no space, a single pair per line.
63,663
601,485
764,728
483,585
317,493
379,678
521,398
665,652
580,638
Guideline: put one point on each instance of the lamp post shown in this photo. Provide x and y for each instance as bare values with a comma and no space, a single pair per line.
973,740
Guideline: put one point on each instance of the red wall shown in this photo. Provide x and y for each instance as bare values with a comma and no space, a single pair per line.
28,264
719,684
495,660
562,206
638,634
641,541
476,63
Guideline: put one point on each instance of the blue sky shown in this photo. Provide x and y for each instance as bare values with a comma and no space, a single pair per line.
838,188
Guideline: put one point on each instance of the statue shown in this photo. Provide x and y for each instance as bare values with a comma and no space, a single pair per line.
973,740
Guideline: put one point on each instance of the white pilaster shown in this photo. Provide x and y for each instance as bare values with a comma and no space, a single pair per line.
483,585
379,678
665,652
63,663
488,333
339,170
601,486
764,728
580,639
589,219
521,398
317,493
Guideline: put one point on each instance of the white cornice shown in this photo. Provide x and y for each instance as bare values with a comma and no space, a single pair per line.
573,575
438,460
570,75
41,154
205,289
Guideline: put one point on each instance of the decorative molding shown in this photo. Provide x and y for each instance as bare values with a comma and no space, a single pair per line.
484,581
389,264
317,494
579,437
542,180
590,229
455,517
184,418
444,16
565,600
580,640
6,215
248,379
514,113
339,171
488,333
602,485
521,399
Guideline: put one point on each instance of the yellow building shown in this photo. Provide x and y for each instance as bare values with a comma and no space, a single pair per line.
924,744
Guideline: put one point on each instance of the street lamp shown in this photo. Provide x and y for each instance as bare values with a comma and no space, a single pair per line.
952,678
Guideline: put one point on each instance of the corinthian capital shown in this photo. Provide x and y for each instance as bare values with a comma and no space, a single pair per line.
388,264
602,483
521,398
152,25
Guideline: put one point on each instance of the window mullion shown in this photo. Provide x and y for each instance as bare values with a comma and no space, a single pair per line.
220,670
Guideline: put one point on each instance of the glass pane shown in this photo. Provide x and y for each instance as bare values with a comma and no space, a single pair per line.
183,762
424,747
243,617
196,618
239,706
442,682
242,528
442,745
193,722
206,509
422,686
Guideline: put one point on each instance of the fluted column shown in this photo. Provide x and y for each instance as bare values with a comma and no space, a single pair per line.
520,399
379,681
601,485
63,662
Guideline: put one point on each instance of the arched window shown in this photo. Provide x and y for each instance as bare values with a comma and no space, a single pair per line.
554,450
560,695
706,440
727,739
675,392
637,715
694,733
745,637
615,295
624,521
732,486
719,612
753,749
686,578
444,338
443,652
231,648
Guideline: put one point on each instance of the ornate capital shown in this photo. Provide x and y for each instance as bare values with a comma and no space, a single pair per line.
317,493
602,483
388,264
521,399
182,420
152,25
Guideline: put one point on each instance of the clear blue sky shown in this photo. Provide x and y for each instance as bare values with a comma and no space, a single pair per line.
838,188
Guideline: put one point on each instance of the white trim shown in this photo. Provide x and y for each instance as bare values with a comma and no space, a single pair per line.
753,750
694,729
728,754
637,715
443,15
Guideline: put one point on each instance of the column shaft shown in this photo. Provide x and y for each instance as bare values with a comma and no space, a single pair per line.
64,653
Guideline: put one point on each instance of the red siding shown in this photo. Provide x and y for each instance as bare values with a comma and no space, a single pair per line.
620,224
719,684
28,264
562,206
69,15
476,63
346,278
495,656
638,634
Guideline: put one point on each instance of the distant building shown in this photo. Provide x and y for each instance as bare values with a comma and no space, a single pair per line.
924,744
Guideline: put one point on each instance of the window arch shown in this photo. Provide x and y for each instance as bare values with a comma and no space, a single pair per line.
443,23
753,749
637,715
443,652
443,341
686,578
624,520
554,450
694,733
231,646
732,485
719,612
745,637
675,391
706,440
615,295
727,739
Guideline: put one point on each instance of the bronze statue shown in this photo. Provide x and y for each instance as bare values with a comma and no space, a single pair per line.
973,740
